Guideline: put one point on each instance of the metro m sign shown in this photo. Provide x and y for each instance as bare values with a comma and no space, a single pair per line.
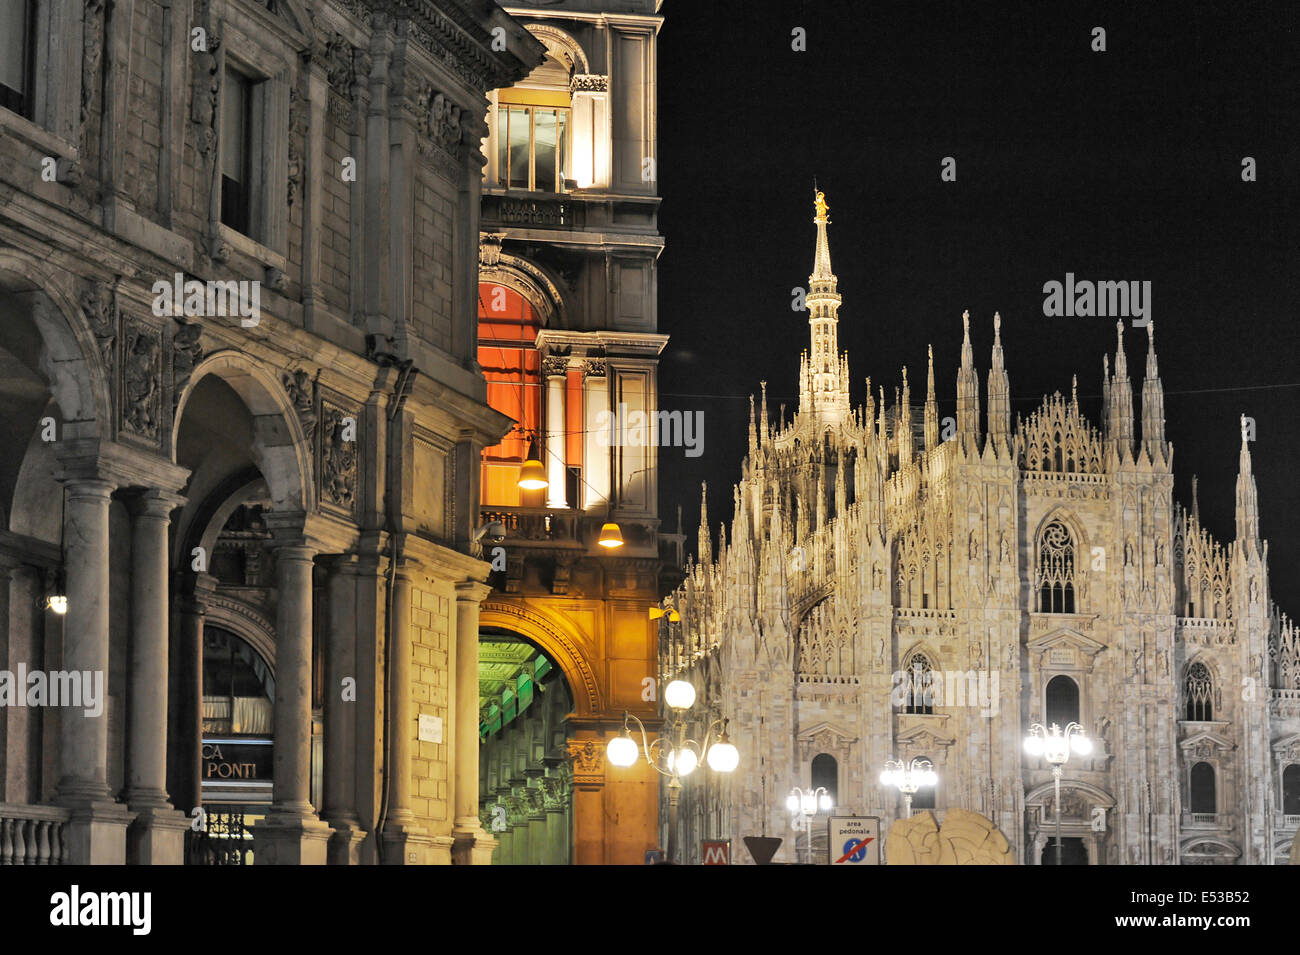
717,852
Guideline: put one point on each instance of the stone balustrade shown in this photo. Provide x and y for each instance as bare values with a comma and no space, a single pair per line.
32,835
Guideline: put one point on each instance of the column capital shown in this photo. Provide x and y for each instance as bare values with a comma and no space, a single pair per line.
472,591
155,503
88,488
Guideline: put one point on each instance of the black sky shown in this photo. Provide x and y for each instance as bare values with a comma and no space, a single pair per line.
1123,165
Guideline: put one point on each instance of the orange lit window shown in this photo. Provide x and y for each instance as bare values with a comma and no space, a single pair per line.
507,332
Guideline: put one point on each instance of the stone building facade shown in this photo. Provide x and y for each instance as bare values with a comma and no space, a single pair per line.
238,268
569,342
897,585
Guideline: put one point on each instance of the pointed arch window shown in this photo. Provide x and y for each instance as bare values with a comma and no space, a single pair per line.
1199,691
920,684
1056,568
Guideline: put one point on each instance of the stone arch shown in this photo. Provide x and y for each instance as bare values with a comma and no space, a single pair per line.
1045,794
244,622
280,445
70,356
1209,849
558,640
532,281
560,45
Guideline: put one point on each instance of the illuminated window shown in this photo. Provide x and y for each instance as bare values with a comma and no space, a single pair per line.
532,147
507,335
16,49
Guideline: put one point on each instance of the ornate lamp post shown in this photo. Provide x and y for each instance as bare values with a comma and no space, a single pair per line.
908,778
805,805
1055,747
673,755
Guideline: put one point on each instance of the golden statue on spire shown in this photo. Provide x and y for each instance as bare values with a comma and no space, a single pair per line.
820,204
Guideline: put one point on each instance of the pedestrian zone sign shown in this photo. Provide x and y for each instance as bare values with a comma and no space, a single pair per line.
854,840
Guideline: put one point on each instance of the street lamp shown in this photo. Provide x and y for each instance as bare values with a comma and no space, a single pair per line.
908,778
678,758
805,805
1055,747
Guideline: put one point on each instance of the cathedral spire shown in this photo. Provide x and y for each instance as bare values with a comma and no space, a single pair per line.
1196,505
1247,494
905,424
824,388
1121,402
753,432
705,538
931,406
1153,402
999,394
968,393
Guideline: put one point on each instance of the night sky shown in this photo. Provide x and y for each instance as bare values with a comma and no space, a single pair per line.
1122,165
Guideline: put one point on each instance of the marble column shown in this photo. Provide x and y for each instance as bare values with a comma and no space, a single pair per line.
292,834
555,369
340,714
157,836
96,832
472,845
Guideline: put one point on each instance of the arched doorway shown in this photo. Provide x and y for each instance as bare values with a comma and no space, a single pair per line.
236,766
525,791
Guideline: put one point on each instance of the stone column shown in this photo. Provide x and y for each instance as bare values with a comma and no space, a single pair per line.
555,369
340,714
96,832
21,642
157,836
291,834
473,846
184,752
597,440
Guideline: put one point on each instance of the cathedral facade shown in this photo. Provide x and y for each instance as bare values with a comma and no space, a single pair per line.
894,585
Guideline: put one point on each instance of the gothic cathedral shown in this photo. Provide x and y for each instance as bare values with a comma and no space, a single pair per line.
889,589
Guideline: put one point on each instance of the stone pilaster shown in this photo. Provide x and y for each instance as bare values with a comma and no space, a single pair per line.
340,715
473,845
